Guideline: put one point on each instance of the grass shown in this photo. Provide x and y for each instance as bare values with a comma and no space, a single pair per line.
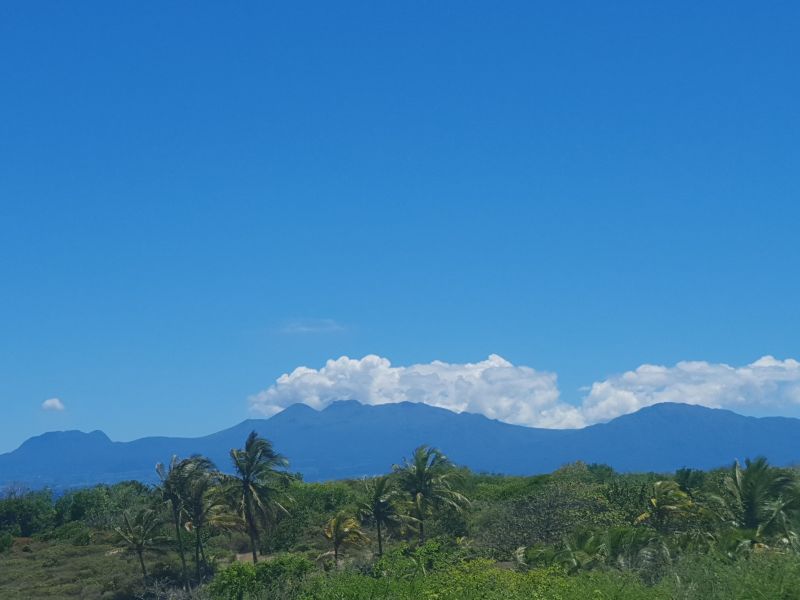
38,569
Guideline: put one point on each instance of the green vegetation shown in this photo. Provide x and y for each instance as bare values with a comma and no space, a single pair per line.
428,530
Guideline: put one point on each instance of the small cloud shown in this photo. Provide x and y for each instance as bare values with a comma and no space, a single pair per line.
306,326
53,405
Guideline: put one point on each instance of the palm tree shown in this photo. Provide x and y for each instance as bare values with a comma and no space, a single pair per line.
139,533
174,488
343,530
205,506
428,480
666,503
258,485
378,505
636,548
583,550
690,480
759,496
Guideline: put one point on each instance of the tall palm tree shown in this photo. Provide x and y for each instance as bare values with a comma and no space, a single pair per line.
428,480
176,479
258,485
378,505
343,530
206,506
139,532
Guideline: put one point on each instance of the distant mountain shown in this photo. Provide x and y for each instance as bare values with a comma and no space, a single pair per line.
349,439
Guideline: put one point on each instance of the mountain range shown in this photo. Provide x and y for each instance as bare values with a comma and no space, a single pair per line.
348,439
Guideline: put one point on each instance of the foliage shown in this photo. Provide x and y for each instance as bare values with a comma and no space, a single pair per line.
546,516
428,479
379,506
275,577
140,533
6,541
257,488
24,513
341,531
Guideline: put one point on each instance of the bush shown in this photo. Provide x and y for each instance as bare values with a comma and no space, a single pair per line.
269,578
482,580
6,541
26,513
767,574
74,532
283,568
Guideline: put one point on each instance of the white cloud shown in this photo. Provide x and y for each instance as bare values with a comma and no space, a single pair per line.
304,326
493,387
522,395
53,405
767,386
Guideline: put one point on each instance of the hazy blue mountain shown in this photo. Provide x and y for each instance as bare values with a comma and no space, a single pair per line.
349,439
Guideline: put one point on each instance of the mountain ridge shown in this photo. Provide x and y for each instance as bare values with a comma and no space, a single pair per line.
348,439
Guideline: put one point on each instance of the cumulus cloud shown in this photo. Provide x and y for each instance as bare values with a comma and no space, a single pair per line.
524,396
766,386
493,387
53,405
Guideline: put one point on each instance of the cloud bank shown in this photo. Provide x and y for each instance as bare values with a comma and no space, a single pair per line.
767,386
493,387
53,405
522,395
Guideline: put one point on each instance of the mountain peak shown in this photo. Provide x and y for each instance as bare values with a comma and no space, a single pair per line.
69,436
344,405
297,409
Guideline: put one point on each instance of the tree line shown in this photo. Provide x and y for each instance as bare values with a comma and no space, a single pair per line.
254,496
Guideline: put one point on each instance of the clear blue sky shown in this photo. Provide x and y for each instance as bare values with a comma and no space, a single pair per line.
580,187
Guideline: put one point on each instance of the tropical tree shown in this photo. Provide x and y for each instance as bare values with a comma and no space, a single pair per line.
583,550
139,532
667,503
378,506
206,506
176,480
343,530
257,488
428,480
690,480
760,497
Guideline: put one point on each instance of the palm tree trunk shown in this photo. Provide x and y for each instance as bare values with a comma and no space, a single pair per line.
380,541
197,553
251,524
253,544
421,531
139,553
251,531
179,537
203,552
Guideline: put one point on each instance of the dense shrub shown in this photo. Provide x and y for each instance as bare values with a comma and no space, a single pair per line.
482,580
25,513
279,576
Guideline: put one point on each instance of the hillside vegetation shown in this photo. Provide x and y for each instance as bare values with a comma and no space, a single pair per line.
428,529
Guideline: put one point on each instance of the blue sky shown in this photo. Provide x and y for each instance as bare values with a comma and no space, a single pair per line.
197,198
